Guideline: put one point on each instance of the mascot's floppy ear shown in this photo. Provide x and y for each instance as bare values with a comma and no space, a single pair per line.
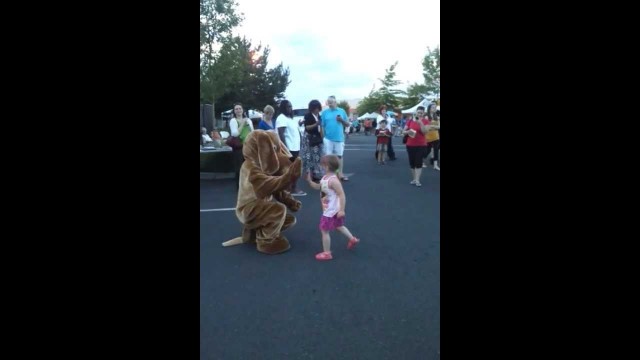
262,148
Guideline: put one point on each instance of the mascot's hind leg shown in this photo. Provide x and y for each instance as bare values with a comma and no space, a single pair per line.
271,217
248,236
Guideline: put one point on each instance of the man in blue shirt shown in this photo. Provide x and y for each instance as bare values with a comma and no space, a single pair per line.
333,121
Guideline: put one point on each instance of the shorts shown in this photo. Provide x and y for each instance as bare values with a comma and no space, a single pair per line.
415,156
333,147
381,147
330,223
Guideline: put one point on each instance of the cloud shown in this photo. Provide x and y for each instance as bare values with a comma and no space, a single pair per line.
342,47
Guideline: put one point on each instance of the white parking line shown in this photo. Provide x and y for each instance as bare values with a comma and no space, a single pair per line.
221,209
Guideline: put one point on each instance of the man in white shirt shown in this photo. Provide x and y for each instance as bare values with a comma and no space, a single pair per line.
290,135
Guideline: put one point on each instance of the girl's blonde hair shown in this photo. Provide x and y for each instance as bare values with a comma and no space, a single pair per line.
332,162
268,109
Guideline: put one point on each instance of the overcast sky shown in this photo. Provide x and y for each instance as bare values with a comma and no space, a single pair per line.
342,47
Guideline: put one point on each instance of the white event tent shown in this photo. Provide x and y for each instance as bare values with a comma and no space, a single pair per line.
425,102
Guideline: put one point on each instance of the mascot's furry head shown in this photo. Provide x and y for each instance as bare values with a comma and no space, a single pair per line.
265,150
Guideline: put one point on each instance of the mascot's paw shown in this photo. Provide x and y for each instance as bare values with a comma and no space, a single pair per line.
295,206
295,170
276,246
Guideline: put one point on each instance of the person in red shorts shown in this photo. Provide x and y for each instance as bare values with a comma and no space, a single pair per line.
382,141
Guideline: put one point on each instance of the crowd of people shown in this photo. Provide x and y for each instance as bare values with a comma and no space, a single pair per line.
321,147
325,132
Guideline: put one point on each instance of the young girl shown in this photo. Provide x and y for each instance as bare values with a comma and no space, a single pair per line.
333,203
382,142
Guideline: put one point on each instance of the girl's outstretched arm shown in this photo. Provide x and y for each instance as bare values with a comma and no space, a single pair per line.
311,183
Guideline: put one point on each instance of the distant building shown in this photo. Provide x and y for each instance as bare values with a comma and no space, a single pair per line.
353,103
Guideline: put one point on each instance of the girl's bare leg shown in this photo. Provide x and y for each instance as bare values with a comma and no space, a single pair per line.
344,231
326,241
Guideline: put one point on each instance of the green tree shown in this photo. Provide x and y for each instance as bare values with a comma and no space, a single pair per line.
243,70
217,20
431,73
431,70
388,93
230,68
344,105
370,103
415,93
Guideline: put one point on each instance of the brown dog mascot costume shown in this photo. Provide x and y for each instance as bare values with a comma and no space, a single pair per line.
263,196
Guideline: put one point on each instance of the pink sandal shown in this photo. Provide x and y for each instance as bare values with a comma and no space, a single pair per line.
352,243
325,255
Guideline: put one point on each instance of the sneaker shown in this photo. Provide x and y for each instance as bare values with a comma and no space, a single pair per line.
413,182
436,167
325,255
418,184
299,193
424,165
352,243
